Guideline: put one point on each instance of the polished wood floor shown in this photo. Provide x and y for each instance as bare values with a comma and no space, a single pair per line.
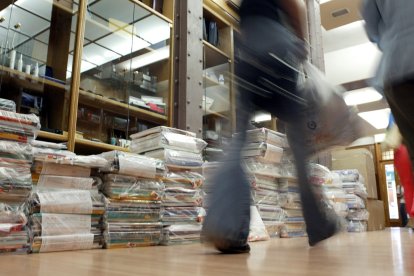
389,252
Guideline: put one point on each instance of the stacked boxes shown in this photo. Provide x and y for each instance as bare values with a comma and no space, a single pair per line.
361,160
134,189
16,130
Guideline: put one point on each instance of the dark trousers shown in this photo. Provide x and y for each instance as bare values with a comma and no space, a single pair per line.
400,97
270,85
403,213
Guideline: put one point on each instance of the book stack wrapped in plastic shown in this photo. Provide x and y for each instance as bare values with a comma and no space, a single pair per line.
344,191
209,171
45,150
182,198
294,223
13,233
7,105
356,195
182,211
331,185
263,156
66,206
179,149
16,133
134,189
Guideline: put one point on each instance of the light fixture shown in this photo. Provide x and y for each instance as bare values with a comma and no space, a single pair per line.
361,96
262,117
379,138
377,118
151,57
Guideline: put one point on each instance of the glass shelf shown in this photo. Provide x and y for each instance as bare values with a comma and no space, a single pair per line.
217,96
125,71
35,39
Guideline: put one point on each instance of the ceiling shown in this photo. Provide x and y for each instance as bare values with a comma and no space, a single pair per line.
337,13
344,34
113,29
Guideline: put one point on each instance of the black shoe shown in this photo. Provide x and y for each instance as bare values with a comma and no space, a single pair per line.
236,249
330,230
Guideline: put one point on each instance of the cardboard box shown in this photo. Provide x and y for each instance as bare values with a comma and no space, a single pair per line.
376,211
361,160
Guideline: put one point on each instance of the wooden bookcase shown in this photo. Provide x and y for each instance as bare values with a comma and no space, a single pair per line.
101,61
218,69
104,67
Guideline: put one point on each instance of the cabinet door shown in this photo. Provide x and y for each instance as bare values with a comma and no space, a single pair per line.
216,102
217,74
36,38
125,74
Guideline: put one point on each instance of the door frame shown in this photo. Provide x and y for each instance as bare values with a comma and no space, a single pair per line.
384,195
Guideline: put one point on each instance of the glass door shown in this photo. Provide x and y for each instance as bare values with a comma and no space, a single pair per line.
125,74
35,39
390,182
217,75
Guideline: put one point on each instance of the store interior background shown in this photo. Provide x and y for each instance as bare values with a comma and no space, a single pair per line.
350,60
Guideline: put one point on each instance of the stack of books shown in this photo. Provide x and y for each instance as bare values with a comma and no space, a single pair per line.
133,186
182,197
16,133
66,206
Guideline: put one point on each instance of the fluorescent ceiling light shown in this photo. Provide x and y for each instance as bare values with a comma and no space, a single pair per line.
262,117
364,141
151,57
153,29
361,96
379,138
378,118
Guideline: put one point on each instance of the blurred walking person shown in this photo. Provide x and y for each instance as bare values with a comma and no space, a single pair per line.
272,50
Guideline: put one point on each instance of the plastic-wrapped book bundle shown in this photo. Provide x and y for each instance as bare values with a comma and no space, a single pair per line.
179,149
16,133
330,184
294,223
182,212
182,196
263,156
356,195
345,192
66,206
134,189
208,172
7,105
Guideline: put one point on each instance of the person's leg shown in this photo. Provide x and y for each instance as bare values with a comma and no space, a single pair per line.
403,213
400,97
227,223
321,223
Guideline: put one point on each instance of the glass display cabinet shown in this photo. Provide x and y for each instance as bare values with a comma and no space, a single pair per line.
125,73
35,39
217,75
122,84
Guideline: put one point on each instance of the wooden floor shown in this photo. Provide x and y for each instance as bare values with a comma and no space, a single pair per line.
389,252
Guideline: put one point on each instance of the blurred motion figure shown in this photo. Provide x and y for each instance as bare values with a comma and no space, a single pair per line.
390,24
272,50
